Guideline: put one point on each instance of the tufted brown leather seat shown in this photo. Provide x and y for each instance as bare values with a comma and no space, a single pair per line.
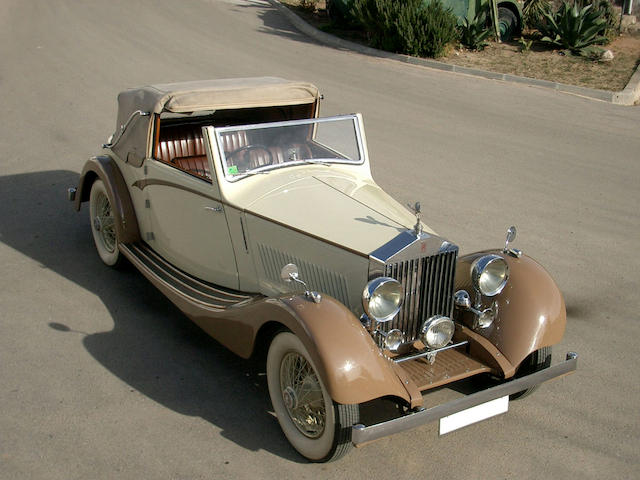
197,164
184,147
273,155
232,141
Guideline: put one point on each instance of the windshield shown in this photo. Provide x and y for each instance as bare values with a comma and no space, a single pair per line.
252,149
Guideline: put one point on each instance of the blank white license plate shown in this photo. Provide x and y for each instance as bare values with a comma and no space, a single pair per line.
474,414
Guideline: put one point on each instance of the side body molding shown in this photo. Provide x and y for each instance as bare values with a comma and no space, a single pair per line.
531,309
105,168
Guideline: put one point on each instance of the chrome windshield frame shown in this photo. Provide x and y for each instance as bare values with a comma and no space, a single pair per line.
219,131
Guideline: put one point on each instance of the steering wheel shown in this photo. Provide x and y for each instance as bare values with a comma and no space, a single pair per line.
248,148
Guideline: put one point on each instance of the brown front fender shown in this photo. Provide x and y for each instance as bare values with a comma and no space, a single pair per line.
105,168
531,309
351,365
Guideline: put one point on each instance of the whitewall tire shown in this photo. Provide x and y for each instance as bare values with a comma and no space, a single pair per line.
317,427
103,226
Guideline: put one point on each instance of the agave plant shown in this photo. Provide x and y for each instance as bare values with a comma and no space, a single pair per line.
573,27
473,33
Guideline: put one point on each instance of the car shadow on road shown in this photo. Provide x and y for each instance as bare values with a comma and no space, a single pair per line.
152,347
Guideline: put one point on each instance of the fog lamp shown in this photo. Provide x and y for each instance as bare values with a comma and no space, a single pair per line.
437,331
393,339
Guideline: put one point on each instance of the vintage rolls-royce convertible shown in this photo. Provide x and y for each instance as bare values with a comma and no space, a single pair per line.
262,223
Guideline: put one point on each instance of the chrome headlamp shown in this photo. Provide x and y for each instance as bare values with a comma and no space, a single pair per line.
382,298
489,274
437,331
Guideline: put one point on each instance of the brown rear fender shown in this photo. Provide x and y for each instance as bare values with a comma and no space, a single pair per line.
531,309
105,168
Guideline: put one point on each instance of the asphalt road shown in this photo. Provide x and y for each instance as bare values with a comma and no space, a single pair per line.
101,377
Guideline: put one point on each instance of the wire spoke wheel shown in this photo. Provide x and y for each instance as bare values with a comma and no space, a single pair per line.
302,395
103,224
316,426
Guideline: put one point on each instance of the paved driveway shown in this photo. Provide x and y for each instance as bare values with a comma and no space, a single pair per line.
101,377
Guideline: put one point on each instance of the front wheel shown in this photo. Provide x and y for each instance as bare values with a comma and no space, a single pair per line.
103,225
317,427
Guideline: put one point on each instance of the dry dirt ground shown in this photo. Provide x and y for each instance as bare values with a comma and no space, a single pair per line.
543,63
539,62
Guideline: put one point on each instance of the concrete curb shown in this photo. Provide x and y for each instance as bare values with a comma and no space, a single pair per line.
629,96
631,93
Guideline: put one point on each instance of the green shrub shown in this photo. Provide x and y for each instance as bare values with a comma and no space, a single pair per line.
610,17
408,26
573,28
474,33
340,11
378,19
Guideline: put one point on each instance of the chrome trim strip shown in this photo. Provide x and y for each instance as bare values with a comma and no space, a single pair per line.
182,286
124,127
131,252
361,434
426,353
201,284
197,285
142,184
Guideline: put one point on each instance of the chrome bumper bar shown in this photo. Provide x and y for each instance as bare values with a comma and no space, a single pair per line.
361,434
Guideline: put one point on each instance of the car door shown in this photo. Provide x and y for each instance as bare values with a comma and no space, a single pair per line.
187,223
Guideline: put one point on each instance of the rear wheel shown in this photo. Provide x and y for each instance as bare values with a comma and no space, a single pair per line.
103,225
316,426
536,361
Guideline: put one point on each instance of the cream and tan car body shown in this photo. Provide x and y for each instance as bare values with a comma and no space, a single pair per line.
216,245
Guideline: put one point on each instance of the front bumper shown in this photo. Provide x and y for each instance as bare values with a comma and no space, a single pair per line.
363,434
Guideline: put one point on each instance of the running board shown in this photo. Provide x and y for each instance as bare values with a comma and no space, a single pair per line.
159,270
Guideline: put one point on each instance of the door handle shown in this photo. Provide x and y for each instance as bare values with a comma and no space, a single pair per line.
214,209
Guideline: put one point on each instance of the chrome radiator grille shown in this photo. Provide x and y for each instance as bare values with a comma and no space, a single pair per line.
428,291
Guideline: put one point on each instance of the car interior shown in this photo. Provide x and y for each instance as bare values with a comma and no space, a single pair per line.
179,141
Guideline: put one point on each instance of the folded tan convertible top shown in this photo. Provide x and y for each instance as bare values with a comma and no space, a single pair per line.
219,94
